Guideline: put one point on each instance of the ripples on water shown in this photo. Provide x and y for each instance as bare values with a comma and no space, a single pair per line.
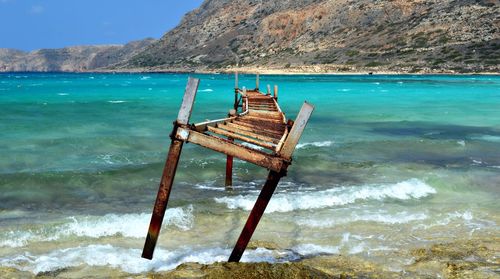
388,163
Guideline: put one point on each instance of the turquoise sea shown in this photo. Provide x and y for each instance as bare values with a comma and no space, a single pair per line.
387,164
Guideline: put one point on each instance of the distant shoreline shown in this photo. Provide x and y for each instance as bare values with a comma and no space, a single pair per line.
292,72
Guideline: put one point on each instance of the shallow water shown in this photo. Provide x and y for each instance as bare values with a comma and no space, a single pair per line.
387,163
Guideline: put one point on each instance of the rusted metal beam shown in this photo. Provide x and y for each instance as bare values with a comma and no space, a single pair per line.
257,211
236,150
169,170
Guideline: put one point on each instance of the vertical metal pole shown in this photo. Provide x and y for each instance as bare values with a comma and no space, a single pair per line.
253,220
257,82
236,86
168,175
276,92
229,169
268,89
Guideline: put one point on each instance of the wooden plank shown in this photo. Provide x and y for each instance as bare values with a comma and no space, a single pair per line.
296,131
255,215
256,157
188,101
242,138
249,128
261,119
229,168
248,133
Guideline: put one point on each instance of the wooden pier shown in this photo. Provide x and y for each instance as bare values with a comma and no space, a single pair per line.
256,131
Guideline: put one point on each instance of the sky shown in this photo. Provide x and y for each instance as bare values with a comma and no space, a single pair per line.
35,24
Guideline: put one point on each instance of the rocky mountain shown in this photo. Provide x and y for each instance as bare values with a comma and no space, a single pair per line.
301,36
331,35
70,59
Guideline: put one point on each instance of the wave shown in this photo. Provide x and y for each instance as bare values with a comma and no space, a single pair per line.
385,218
117,102
62,94
126,225
315,144
286,202
128,259
206,90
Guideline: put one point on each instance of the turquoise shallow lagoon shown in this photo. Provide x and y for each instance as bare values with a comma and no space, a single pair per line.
387,163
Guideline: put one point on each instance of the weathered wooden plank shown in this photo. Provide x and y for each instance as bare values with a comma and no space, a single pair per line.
296,131
261,119
248,133
248,127
188,101
242,138
256,157
229,168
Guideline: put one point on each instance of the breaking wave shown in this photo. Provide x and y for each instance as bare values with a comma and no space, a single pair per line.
286,202
129,260
315,144
127,225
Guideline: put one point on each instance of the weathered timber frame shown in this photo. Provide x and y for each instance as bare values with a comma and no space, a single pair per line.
260,123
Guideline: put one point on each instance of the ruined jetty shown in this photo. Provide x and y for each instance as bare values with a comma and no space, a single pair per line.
256,131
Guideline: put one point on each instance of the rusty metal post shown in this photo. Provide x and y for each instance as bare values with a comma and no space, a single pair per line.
167,178
258,210
236,86
229,168
257,81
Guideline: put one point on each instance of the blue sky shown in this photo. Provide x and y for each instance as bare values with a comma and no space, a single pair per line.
35,24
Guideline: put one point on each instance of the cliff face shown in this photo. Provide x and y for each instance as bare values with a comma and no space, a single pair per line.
71,59
409,35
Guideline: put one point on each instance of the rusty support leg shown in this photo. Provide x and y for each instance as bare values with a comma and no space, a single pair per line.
160,207
258,209
167,178
229,169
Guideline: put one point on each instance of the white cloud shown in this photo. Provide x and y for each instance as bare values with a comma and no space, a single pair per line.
36,9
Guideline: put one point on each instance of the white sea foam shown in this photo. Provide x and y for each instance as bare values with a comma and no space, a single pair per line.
117,102
286,202
316,144
313,249
206,90
129,260
145,77
127,225
380,217
62,94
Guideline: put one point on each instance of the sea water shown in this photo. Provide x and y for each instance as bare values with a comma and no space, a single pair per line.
386,164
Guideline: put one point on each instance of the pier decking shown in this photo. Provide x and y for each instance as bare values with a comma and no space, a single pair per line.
256,131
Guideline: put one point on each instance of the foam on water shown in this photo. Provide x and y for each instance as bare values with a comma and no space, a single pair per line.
286,202
315,144
129,260
380,217
117,102
127,225
206,90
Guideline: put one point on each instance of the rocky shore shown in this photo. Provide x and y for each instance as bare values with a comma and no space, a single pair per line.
473,258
